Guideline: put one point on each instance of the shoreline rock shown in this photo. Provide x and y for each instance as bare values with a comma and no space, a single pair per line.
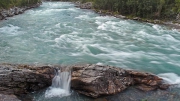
90,80
4,13
89,5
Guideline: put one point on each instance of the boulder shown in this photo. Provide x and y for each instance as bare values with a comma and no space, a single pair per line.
16,10
4,13
22,79
87,5
96,80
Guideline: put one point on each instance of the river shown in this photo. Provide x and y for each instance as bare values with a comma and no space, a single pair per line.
59,33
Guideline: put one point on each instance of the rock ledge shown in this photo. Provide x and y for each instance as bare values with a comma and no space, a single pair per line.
96,80
91,80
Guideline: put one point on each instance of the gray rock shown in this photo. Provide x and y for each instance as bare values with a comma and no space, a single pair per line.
136,18
15,11
120,16
21,79
87,5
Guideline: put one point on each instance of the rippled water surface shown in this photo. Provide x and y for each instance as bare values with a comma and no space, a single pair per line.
59,33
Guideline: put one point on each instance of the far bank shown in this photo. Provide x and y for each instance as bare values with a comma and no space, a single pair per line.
9,8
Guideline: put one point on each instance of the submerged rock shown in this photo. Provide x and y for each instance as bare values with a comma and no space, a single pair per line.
96,80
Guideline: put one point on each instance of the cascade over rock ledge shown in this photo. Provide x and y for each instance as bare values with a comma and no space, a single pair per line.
91,80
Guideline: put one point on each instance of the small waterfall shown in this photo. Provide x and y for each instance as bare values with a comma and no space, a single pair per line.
60,85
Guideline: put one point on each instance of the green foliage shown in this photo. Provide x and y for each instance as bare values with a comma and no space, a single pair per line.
141,8
177,5
12,3
144,100
153,9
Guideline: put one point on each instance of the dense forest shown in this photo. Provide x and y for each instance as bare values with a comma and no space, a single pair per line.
165,9
5,4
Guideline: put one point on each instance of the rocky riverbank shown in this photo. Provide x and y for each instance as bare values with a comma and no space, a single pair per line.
90,80
89,5
4,13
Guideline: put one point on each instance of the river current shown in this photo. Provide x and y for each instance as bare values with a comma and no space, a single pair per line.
59,33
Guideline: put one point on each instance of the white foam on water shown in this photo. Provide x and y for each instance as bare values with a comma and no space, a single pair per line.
99,63
56,92
104,17
62,38
60,85
157,27
170,78
111,22
155,62
102,26
98,22
53,8
82,17
10,29
57,5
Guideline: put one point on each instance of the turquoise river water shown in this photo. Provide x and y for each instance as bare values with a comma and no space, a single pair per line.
59,33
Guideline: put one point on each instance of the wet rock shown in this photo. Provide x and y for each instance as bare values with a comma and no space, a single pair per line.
17,11
21,79
136,18
87,5
10,12
146,88
90,80
96,80
120,16
157,21
134,94
178,17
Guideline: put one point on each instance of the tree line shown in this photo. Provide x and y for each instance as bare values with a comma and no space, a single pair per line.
5,4
166,9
